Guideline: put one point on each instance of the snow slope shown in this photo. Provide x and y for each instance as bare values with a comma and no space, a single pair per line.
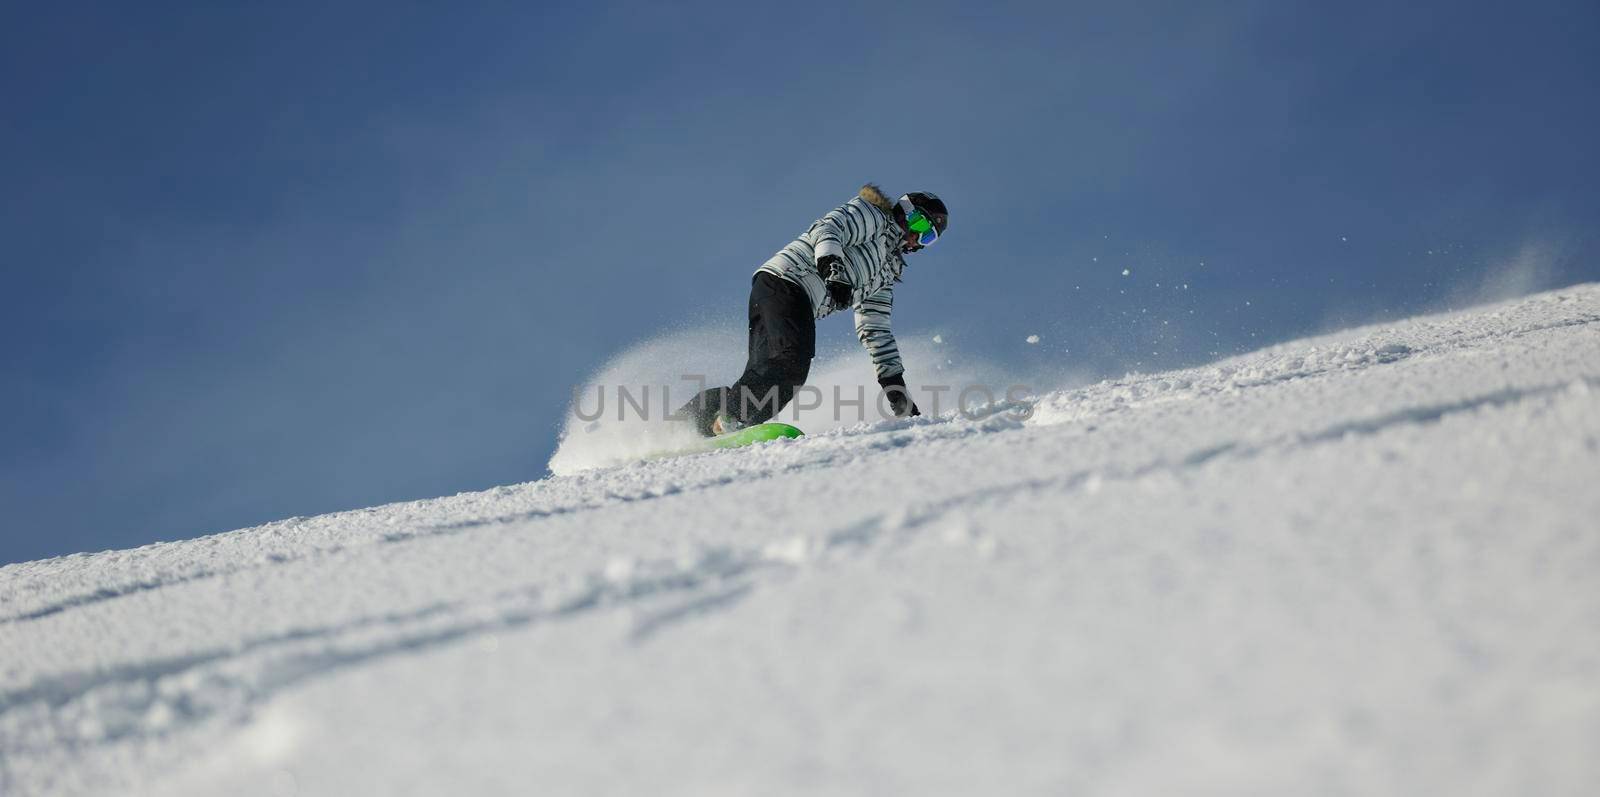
1358,564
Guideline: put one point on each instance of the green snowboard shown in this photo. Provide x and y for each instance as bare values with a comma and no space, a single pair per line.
760,433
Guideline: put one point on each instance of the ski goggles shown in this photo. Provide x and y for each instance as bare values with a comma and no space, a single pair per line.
921,224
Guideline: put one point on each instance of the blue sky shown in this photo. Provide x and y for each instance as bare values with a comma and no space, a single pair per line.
264,260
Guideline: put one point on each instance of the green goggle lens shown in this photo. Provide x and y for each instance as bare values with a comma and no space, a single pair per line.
923,226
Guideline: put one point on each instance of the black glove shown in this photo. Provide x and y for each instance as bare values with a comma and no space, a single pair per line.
899,398
832,270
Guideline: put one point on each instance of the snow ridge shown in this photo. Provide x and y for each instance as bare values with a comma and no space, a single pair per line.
1361,563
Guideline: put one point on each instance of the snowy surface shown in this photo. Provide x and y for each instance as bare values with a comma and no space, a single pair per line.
1359,564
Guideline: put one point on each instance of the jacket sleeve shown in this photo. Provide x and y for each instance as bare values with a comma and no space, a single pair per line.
851,224
872,327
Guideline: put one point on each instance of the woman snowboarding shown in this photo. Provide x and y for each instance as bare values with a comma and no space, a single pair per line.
849,258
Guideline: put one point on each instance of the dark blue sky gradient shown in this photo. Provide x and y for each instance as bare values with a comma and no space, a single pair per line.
264,260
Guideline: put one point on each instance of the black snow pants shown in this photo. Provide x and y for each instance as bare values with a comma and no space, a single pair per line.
783,339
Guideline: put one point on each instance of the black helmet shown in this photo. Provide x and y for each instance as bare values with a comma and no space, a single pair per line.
915,211
927,202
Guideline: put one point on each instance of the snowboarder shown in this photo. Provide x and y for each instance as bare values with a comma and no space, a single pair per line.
849,258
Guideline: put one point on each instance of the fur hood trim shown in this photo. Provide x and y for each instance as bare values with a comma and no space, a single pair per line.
874,195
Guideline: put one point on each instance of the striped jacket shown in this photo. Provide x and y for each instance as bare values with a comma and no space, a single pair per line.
865,236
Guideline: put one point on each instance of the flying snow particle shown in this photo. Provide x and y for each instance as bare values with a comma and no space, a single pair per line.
1033,338
1126,272
938,338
